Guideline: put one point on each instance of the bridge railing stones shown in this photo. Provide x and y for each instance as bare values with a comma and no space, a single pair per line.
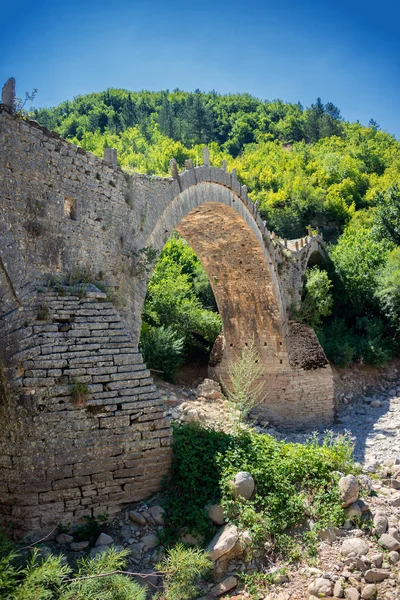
206,172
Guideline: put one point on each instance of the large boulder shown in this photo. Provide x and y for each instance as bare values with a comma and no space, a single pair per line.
388,542
321,588
216,514
380,523
349,490
224,542
243,485
358,546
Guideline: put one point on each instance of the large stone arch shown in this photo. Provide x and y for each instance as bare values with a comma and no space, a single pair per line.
213,213
242,273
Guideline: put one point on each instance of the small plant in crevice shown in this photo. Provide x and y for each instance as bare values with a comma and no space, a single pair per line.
142,261
4,393
79,393
43,312
91,528
20,103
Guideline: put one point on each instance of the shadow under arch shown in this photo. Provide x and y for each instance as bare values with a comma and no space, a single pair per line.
227,239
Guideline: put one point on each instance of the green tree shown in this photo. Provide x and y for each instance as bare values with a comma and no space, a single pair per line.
388,288
387,218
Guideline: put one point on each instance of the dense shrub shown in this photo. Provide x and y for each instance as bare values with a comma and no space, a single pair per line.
318,300
179,316
388,288
162,349
293,481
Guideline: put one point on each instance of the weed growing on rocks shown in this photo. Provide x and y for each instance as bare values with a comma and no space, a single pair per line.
294,483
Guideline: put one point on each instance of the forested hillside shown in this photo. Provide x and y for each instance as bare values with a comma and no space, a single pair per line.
304,166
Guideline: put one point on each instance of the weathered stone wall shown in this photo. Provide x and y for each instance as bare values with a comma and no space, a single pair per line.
65,456
63,210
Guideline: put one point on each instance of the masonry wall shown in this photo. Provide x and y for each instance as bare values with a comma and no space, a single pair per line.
40,176
66,456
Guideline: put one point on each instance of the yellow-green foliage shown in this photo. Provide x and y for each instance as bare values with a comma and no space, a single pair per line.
303,166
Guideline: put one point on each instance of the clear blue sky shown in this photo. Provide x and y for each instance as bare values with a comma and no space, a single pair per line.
346,52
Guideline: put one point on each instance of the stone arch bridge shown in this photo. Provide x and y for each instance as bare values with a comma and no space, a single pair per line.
83,427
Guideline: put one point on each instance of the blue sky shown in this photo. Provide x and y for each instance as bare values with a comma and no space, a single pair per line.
345,52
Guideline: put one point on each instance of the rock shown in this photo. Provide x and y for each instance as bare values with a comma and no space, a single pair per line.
126,532
98,550
356,545
394,557
78,546
338,588
327,535
64,538
375,404
362,564
365,483
369,591
377,560
136,550
137,518
225,586
375,575
394,501
150,540
394,532
216,514
380,523
243,485
353,512
321,588
388,542
104,540
352,593
349,490
158,513
192,415
223,542
363,505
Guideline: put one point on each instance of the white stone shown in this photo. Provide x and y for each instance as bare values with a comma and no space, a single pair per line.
216,514
223,542
321,588
243,485
356,545
349,490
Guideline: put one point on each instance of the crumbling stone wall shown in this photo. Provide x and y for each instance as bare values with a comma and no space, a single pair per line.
63,210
